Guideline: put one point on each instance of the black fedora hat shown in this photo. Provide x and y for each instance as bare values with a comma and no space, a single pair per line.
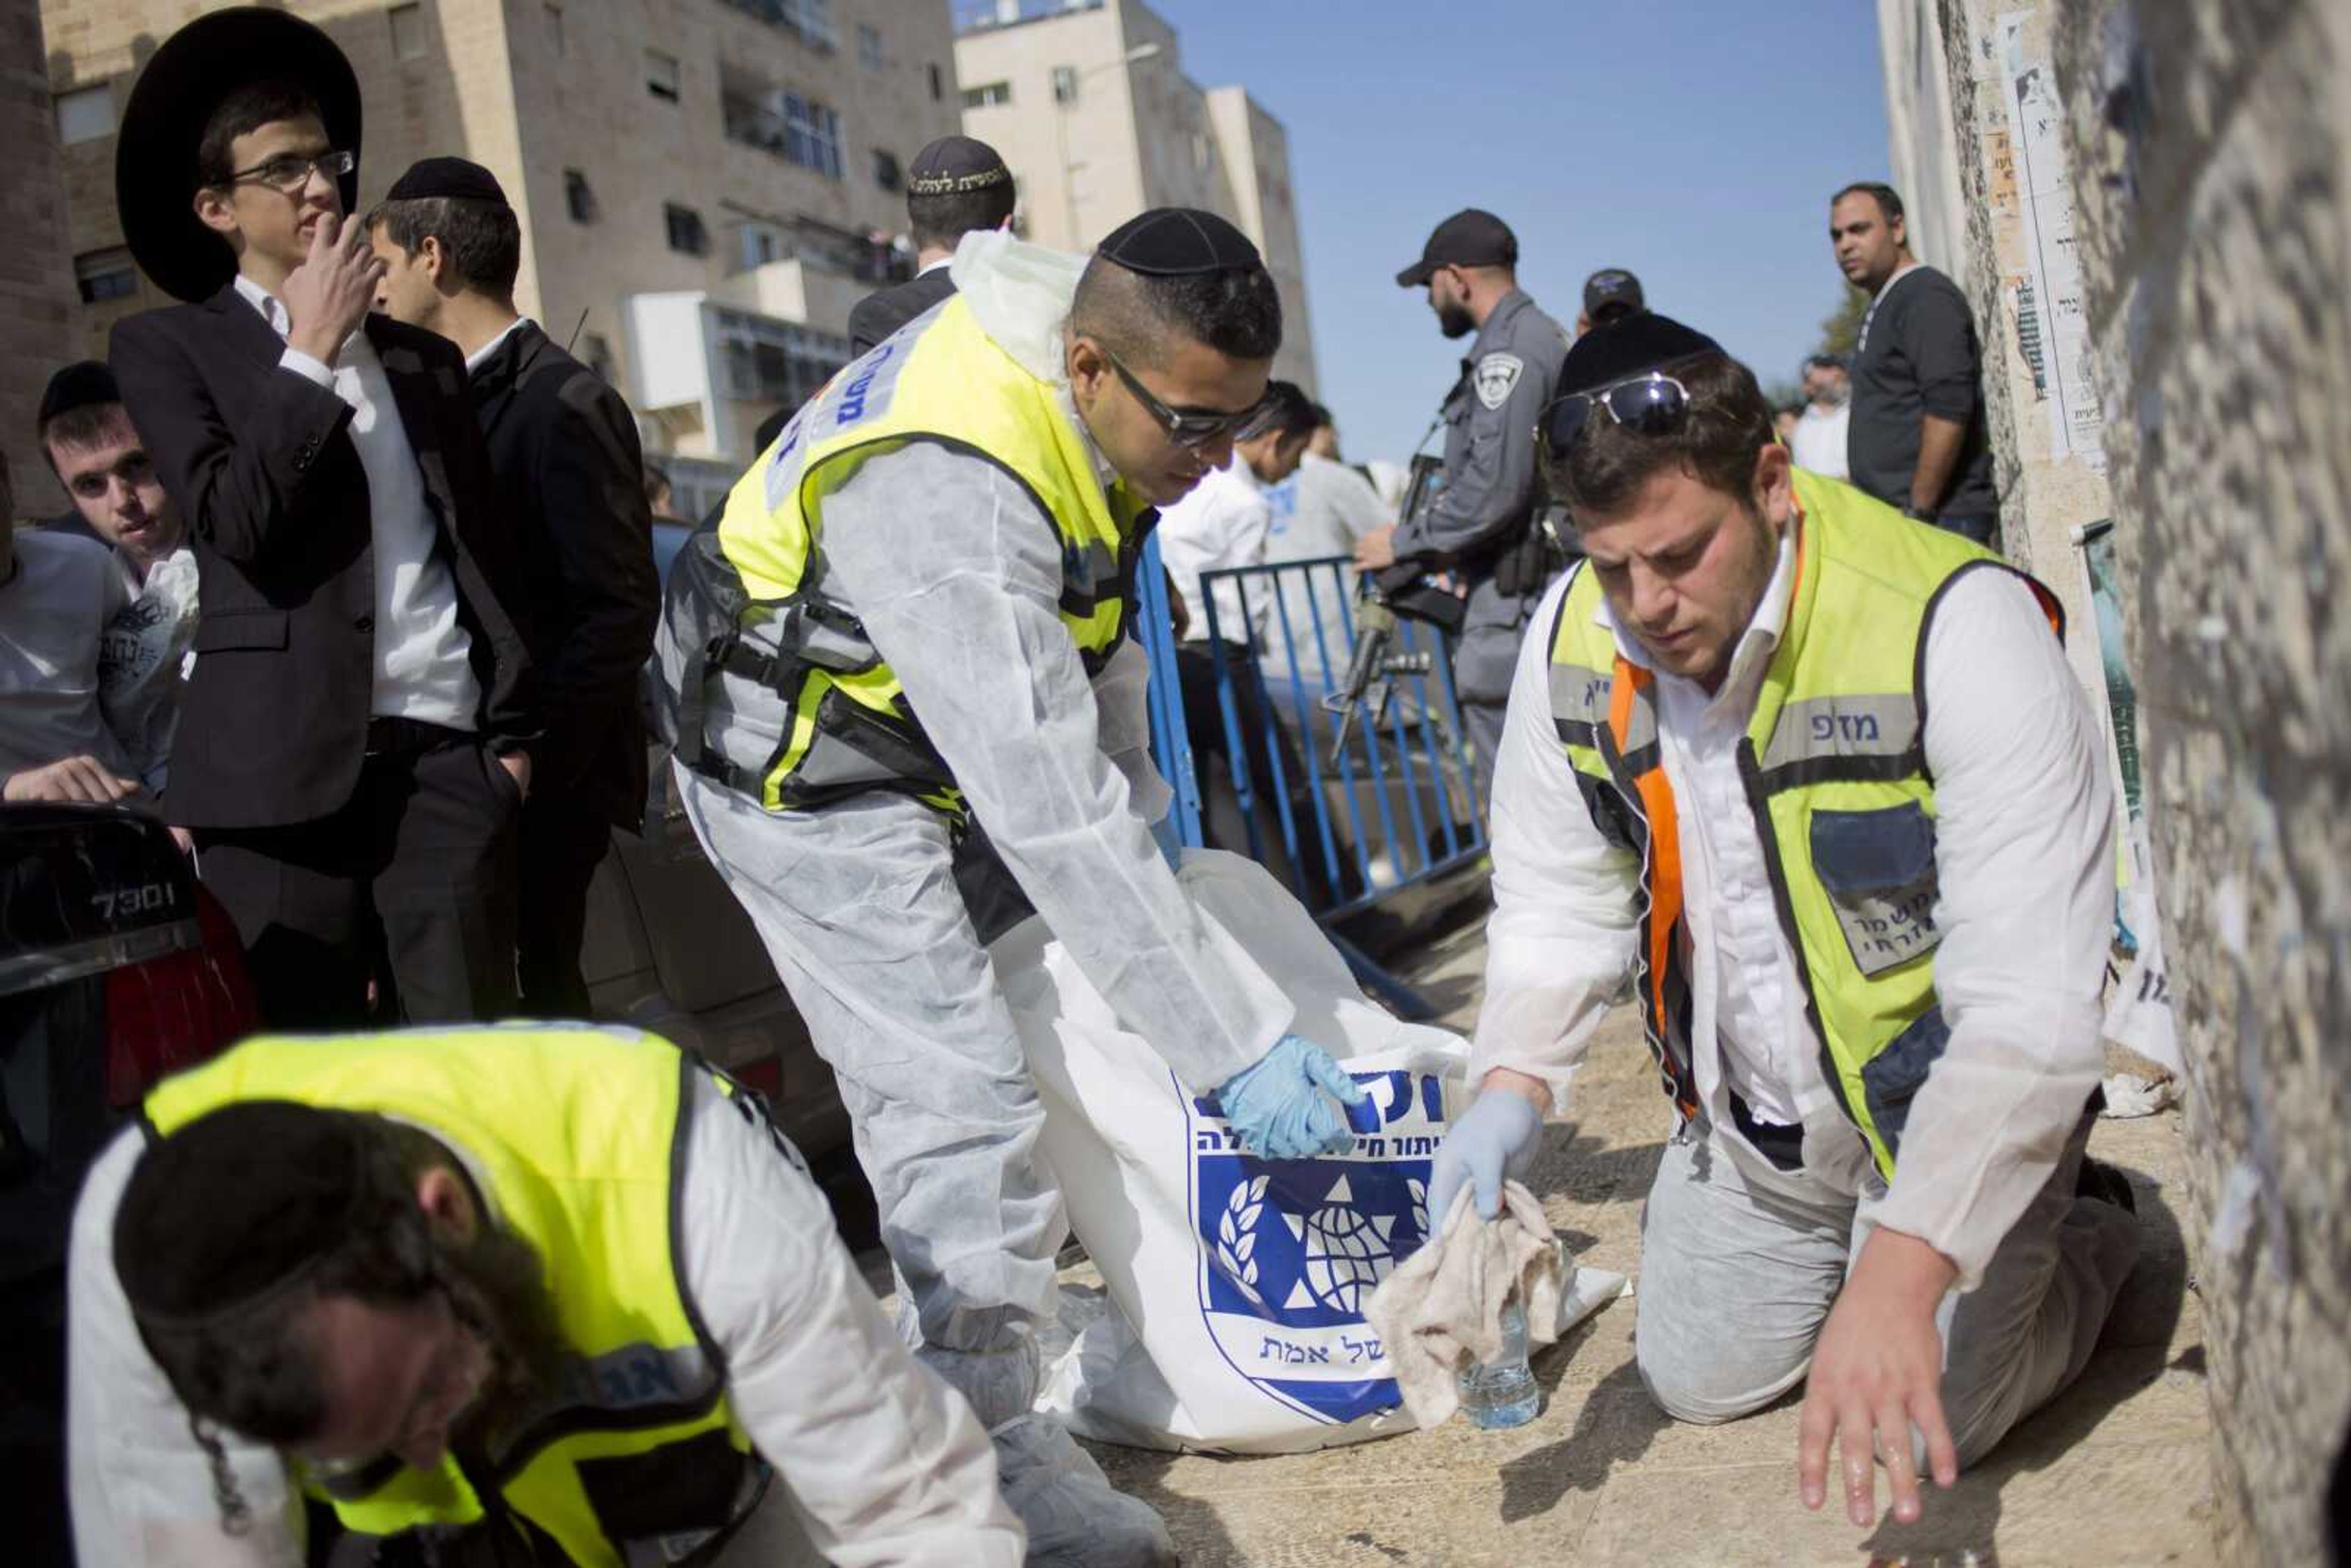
155,176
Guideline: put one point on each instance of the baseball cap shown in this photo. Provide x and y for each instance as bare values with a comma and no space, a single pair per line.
1470,238
1609,289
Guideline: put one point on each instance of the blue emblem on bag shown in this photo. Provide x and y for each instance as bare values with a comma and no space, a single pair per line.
1292,1250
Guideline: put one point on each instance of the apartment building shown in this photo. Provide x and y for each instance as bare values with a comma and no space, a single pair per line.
1088,101
705,186
35,275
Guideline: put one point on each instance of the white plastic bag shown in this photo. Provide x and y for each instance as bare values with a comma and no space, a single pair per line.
1236,1285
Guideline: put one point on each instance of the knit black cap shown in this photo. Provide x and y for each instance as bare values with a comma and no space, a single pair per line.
80,385
954,165
236,1205
1628,346
1179,241
456,179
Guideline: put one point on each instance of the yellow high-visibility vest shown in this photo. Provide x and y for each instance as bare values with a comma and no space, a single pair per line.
576,1132
1836,772
789,701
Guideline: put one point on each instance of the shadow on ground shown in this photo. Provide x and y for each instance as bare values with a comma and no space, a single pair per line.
2134,1352
1613,1430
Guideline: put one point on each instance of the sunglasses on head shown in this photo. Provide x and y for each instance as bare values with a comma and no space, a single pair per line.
1651,402
1184,429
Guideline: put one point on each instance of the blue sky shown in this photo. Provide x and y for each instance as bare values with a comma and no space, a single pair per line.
1696,141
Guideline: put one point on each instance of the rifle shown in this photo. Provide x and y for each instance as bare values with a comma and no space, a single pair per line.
1404,590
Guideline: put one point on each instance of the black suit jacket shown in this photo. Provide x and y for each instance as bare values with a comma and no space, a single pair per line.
571,479
272,727
877,316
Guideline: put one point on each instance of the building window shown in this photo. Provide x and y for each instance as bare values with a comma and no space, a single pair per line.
578,199
886,172
939,85
986,95
596,353
661,76
761,245
105,275
798,130
86,113
408,39
761,359
554,14
811,19
685,231
869,46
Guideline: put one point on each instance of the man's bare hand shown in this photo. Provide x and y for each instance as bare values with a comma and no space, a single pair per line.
329,295
1877,1370
82,780
1375,551
518,767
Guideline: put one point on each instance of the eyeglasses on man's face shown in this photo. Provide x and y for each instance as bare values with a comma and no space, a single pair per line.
289,172
1189,430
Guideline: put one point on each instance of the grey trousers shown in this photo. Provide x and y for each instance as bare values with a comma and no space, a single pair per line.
1737,1281
857,906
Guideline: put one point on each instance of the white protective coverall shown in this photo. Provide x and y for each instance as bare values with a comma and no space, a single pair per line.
955,576
877,1462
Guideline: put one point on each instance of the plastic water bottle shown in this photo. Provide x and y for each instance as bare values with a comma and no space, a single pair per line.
1503,1391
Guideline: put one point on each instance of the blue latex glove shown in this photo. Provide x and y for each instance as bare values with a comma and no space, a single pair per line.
1281,1106
1494,1138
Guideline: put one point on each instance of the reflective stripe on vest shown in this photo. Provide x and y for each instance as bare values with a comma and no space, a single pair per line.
799,708
1833,763
575,1132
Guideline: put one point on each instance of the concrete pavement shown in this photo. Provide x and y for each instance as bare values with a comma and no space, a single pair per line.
2114,1472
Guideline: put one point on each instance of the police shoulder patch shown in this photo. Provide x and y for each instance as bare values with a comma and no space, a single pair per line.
1495,377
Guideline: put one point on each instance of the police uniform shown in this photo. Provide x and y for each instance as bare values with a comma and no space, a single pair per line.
1488,504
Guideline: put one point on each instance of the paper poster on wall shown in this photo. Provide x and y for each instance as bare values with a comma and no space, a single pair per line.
2065,386
2139,1016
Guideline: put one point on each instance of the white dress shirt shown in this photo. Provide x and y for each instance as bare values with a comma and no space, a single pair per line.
2022,816
1819,442
1222,524
885,1463
422,669
480,357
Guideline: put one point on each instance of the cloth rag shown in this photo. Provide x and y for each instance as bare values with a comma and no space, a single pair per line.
1441,1310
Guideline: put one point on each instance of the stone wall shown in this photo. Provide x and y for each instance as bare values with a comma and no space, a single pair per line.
2205,145
2211,143
37,284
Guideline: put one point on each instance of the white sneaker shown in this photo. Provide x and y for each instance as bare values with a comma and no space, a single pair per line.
1076,1518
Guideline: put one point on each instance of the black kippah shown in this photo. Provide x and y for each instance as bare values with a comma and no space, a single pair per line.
79,385
1179,241
456,179
1626,347
954,165
236,1206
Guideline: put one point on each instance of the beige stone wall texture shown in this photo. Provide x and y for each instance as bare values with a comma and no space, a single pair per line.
36,285
2211,146
2206,146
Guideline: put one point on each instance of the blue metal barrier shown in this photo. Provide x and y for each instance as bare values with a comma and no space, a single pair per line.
1396,808
1170,742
